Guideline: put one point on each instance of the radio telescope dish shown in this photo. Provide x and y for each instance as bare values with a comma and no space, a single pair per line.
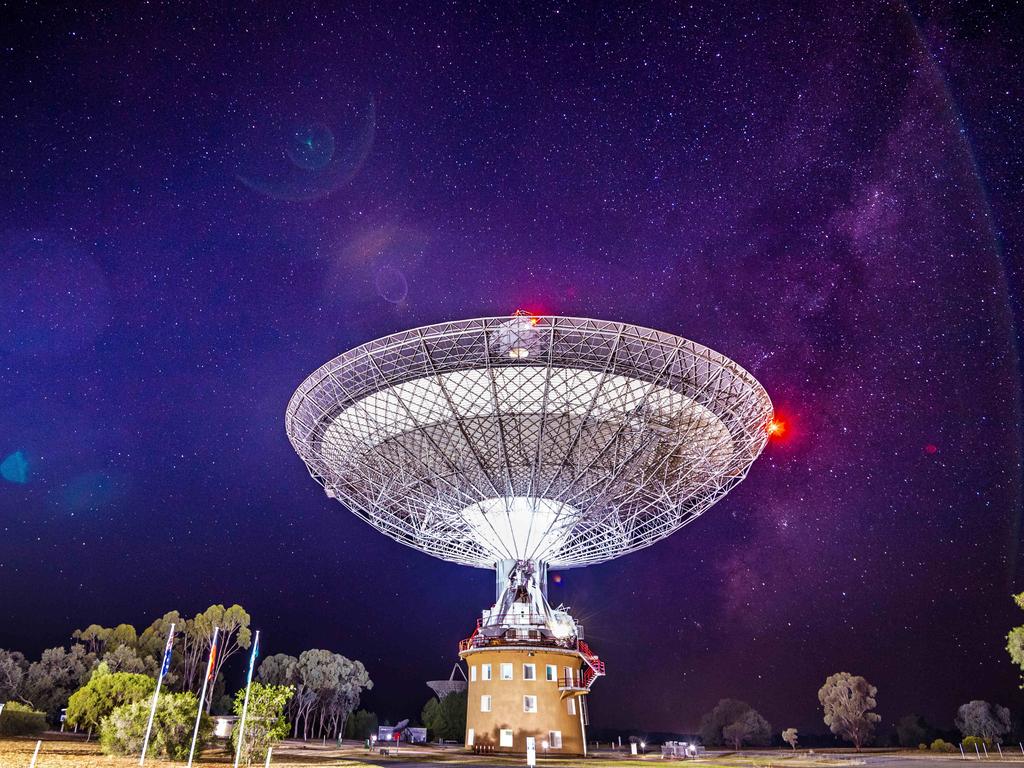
442,688
558,440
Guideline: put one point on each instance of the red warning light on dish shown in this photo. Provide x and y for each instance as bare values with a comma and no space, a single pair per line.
523,313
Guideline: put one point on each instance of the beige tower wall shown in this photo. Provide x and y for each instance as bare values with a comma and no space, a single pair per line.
507,712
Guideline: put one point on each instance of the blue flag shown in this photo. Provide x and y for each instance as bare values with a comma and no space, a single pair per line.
255,652
167,654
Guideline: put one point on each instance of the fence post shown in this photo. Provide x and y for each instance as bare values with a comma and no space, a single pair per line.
35,754
977,750
269,751
961,745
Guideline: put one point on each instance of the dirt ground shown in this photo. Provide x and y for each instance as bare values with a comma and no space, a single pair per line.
65,751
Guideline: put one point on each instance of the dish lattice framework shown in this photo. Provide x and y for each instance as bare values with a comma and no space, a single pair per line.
564,440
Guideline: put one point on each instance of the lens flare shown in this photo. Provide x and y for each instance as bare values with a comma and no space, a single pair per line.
311,147
14,469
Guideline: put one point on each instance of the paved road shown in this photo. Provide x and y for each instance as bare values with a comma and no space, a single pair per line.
924,761
413,757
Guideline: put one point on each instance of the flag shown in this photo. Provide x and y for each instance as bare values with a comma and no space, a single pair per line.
245,705
156,693
167,653
213,657
255,653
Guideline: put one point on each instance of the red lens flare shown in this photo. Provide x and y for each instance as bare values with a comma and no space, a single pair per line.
776,428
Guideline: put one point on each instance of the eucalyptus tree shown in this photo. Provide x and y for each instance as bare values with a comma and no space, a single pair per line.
725,713
349,679
13,667
124,659
234,634
989,722
749,728
92,637
153,639
153,642
99,640
847,701
50,681
282,669
317,676
327,689
197,639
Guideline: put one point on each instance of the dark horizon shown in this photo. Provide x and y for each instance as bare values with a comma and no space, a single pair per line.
204,207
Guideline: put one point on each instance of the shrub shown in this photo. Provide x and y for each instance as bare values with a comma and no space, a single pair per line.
122,732
265,724
922,746
939,745
104,692
19,720
970,742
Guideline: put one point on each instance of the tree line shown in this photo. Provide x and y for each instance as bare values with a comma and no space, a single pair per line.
47,684
317,692
106,676
848,703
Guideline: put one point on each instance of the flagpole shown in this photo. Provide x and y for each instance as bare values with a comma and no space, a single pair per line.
202,695
164,664
245,705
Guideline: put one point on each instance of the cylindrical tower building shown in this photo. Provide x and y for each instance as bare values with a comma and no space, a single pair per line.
529,670
518,691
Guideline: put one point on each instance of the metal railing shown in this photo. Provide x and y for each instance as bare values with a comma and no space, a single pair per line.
530,630
593,667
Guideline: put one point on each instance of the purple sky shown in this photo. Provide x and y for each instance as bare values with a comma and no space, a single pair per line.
201,207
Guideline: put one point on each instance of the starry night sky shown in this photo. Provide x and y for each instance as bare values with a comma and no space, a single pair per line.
200,208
